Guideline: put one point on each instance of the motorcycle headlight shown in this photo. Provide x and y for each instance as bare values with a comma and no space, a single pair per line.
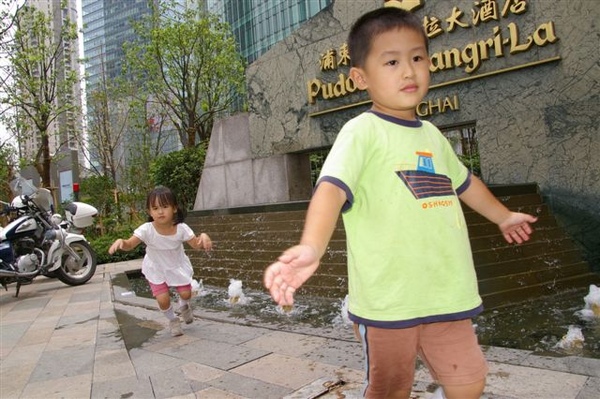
56,219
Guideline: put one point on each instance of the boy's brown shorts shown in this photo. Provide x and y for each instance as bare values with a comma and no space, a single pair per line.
449,349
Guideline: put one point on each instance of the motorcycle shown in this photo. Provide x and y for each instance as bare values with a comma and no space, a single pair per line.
38,241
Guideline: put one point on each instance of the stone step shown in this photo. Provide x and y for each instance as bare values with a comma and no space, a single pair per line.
248,239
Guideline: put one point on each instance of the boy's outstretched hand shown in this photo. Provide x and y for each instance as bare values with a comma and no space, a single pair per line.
291,270
516,227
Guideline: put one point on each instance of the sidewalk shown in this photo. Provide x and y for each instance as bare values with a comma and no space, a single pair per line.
98,341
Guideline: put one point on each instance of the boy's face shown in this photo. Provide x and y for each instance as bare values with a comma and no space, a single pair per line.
395,73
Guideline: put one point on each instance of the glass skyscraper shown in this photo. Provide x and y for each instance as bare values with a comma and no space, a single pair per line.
259,24
106,26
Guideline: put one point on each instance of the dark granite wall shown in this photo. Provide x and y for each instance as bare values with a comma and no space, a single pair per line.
534,124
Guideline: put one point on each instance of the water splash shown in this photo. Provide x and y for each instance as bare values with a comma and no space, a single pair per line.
591,310
198,288
236,293
536,325
572,341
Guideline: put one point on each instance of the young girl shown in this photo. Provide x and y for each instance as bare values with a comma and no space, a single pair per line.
166,264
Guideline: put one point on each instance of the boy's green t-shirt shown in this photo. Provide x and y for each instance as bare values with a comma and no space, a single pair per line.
409,256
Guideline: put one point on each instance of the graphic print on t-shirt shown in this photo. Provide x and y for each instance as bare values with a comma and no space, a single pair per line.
424,182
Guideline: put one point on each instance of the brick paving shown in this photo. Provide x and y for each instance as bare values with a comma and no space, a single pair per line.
100,341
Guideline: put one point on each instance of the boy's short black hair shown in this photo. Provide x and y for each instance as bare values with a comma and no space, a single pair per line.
164,196
376,22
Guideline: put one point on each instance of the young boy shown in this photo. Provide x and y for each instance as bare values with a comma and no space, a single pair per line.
397,182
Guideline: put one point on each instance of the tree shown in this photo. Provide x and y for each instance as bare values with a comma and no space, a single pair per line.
180,171
41,82
8,9
125,136
189,63
7,170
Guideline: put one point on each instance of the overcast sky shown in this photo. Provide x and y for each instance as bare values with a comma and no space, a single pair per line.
3,132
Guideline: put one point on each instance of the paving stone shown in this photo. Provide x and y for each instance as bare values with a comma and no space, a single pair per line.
286,371
339,353
325,387
170,383
113,364
286,343
14,379
82,308
526,382
21,355
214,393
215,354
12,333
225,332
505,355
64,363
200,372
20,316
78,319
148,363
73,337
31,304
249,387
78,386
591,389
129,387
88,296
62,341
37,333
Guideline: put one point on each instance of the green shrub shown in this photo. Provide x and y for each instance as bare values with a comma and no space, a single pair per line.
180,171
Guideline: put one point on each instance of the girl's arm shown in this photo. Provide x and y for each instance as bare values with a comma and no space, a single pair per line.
124,245
201,241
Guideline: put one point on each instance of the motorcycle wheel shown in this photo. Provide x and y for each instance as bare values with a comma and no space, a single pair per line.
77,273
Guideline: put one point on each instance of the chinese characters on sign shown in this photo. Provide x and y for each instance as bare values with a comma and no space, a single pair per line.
500,43
484,11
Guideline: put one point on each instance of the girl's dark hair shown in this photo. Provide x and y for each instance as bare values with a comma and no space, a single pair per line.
376,22
164,196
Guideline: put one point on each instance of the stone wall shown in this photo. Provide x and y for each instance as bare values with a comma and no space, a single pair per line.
233,177
535,110
247,239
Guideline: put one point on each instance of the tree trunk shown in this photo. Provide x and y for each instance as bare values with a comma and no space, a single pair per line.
46,162
191,136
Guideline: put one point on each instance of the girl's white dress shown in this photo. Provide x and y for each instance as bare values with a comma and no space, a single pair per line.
165,260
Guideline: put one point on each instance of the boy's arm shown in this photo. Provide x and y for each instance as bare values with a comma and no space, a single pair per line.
322,216
298,263
513,225
124,245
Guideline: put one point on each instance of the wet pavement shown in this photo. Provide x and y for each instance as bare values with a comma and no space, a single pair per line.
99,340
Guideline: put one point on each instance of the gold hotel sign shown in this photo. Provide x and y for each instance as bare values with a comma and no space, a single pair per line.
469,58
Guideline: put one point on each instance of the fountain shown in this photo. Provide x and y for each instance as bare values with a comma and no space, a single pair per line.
572,341
539,325
197,287
592,304
249,238
236,294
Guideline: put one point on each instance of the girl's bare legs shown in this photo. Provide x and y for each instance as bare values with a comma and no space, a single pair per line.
164,301
185,307
185,295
